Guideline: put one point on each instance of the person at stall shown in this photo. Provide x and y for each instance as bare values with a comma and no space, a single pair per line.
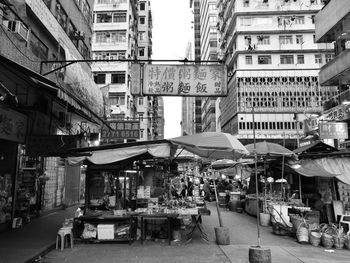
189,187
318,205
184,188
206,189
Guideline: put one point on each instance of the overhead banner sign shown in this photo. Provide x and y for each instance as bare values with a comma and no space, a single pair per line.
184,80
333,130
129,129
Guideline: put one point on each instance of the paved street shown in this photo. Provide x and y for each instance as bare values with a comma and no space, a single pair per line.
242,236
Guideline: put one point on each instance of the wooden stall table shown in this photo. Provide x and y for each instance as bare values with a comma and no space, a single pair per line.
156,216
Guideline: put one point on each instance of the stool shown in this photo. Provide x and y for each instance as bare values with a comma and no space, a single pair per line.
61,236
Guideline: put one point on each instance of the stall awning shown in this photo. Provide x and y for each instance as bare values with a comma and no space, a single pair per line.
310,168
338,167
116,153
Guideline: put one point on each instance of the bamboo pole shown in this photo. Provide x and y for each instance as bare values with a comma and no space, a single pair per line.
256,182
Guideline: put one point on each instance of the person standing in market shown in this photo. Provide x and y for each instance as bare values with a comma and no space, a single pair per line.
189,187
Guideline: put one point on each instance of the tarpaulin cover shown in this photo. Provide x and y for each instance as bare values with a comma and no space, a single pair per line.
161,150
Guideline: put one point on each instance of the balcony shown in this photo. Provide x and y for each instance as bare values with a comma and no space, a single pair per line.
336,71
337,100
332,20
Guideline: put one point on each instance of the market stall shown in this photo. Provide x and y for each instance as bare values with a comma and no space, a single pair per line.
128,194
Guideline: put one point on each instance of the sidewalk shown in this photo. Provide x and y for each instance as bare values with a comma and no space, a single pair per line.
31,240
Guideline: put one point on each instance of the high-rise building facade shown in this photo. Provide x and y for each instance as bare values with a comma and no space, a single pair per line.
273,63
209,51
123,31
333,26
195,6
188,104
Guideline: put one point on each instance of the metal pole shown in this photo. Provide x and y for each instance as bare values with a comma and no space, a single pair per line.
256,181
297,129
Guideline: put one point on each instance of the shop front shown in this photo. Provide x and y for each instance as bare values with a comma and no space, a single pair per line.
36,117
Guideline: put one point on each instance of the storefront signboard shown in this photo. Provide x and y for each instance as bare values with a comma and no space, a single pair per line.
333,130
13,125
185,80
128,129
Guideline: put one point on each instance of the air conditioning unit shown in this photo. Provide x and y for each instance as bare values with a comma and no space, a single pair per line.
18,28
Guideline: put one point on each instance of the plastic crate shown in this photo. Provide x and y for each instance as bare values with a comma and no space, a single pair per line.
105,231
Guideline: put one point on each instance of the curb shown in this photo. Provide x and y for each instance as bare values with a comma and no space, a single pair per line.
37,257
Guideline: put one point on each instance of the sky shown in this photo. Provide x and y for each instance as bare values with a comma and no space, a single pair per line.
171,33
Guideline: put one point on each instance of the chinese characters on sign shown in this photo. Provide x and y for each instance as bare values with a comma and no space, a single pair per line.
185,80
334,130
121,130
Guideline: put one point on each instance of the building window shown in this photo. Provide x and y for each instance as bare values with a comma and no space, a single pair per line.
248,60
318,58
100,78
213,56
61,16
314,38
313,19
142,20
140,101
86,10
119,17
104,18
38,48
284,40
264,59
111,37
300,59
140,116
118,78
299,39
142,35
141,52
263,40
299,20
245,3
213,30
213,18
110,55
213,43
212,6
142,6
329,57
117,99
287,59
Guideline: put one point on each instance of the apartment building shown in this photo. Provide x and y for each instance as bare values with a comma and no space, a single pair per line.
273,61
333,26
123,31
